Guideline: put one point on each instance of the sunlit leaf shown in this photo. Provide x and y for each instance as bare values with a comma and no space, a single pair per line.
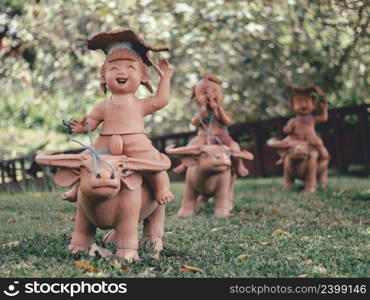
242,256
308,262
279,231
241,246
37,195
11,244
265,243
117,265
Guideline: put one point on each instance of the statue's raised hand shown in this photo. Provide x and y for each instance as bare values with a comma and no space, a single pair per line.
78,126
164,69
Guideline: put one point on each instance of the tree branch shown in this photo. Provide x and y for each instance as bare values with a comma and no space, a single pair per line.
360,30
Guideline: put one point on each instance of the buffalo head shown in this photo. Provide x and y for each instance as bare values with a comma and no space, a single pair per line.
294,149
215,158
103,175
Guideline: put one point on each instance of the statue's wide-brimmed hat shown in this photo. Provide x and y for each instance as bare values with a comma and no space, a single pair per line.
305,90
124,38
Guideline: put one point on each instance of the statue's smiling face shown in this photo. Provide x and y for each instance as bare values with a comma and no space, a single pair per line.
303,104
123,75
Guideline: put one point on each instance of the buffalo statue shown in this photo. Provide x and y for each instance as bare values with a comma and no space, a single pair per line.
209,174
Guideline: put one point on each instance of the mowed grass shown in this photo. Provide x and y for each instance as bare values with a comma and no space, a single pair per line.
322,235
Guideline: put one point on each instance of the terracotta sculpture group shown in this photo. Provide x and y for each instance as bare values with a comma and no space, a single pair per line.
121,179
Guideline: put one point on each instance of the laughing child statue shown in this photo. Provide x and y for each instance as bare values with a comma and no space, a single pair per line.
122,114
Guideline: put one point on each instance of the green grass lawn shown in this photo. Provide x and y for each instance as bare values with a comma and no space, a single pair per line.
322,235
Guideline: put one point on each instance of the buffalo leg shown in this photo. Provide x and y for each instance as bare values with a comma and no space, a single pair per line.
154,228
83,233
310,179
323,172
188,203
288,180
231,195
222,202
126,236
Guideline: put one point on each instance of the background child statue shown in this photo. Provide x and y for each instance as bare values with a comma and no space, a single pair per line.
212,120
122,114
302,126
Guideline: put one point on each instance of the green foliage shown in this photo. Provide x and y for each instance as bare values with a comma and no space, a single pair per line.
327,236
256,47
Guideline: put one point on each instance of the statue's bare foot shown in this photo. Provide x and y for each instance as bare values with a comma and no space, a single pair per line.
70,196
180,169
280,161
241,170
129,255
164,197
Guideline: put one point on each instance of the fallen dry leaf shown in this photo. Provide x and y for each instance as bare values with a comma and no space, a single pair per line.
157,255
12,220
94,249
319,269
241,246
274,211
302,276
118,266
11,244
243,256
115,264
279,231
36,195
85,266
265,243
125,268
190,269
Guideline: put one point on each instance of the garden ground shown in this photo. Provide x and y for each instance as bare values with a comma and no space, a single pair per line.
272,233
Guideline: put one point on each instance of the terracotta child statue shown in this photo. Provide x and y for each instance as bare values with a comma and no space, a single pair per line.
212,120
302,126
123,113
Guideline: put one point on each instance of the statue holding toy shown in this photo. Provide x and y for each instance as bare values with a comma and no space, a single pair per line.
122,115
121,179
212,121
212,160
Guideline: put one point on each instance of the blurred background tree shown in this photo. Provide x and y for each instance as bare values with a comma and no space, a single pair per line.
256,47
